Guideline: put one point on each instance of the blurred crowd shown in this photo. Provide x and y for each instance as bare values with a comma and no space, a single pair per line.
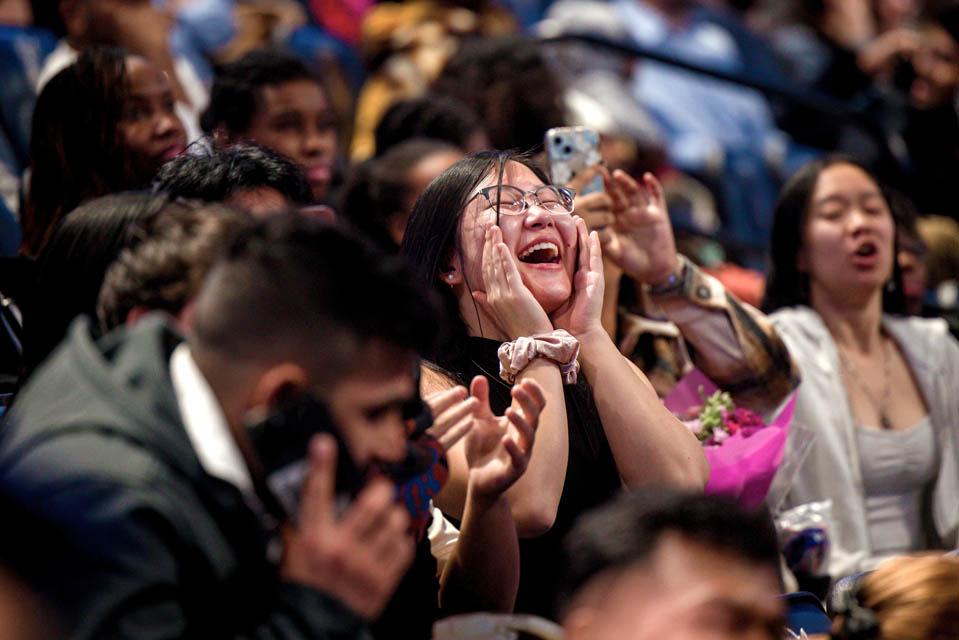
310,332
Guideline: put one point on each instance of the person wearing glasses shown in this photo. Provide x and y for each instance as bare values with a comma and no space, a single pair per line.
523,282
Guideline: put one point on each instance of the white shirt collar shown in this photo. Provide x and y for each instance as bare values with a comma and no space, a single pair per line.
205,423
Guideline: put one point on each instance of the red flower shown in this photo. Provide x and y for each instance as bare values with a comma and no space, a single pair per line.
742,419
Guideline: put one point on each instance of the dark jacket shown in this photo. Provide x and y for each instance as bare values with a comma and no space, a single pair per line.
155,547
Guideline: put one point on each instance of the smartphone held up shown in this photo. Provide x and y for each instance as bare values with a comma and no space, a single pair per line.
570,151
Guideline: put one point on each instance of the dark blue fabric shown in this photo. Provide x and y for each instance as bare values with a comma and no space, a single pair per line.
202,29
759,58
804,612
314,44
22,51
527,12
10,235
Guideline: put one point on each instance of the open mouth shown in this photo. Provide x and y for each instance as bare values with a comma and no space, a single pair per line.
866,249
171,152
319,173
540,253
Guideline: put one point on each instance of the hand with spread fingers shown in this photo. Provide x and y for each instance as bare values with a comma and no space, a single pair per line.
359,557
641,240
498,448
506,298
453,412
583,313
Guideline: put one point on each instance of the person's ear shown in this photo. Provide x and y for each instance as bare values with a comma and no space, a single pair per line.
452,273
276,385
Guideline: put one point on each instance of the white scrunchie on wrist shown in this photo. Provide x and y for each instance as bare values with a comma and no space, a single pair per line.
558,346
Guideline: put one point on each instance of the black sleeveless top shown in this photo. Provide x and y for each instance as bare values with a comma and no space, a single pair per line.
591,475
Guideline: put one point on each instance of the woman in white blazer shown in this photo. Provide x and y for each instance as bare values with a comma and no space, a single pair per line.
880,391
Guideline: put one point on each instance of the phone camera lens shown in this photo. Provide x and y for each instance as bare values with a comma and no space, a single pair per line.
567,149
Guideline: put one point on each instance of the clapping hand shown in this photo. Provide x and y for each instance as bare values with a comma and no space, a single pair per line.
453,412
641,240
498,448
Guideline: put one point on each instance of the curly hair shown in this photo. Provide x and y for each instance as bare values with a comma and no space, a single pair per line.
164,270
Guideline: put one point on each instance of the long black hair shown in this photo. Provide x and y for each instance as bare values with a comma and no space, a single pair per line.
71,267
75,146
433,232
786,285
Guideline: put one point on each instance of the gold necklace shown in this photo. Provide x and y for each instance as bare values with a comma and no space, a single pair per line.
879,404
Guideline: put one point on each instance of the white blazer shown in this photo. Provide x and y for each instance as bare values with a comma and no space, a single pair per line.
831,469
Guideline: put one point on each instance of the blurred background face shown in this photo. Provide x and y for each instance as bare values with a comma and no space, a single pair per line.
17,13
426,170
937,69
295,120
150,128
367,404
420,176
117,22
686,591
549,274
848,241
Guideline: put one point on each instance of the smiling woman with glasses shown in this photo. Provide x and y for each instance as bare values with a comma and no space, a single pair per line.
523,282
509,200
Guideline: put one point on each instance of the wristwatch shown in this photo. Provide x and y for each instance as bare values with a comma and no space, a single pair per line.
673,282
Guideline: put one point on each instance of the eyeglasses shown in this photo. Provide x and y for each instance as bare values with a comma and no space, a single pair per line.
512,201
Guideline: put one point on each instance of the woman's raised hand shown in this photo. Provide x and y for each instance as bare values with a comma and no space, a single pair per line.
641,241
506,298
583,313
453,412
498,448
